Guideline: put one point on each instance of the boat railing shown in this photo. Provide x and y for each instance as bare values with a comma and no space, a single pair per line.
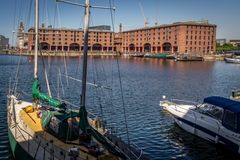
131,151
139,149
184,102
41,145
30,137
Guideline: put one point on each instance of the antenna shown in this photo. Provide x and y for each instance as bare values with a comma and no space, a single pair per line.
144,17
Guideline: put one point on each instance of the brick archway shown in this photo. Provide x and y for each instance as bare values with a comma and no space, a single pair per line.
97,47
147,47
44,46
131,47
166,47
74,47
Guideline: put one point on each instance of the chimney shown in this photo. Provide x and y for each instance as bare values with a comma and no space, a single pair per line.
120,27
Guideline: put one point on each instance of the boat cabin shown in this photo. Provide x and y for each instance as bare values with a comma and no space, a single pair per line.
63,125
226,110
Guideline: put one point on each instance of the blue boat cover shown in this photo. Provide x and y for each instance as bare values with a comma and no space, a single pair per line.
224,103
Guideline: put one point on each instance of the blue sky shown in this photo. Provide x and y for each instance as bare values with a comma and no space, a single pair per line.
223,13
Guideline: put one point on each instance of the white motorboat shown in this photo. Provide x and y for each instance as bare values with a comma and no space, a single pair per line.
217,119
232,60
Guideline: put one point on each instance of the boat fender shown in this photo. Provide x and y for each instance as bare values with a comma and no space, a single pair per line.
28,109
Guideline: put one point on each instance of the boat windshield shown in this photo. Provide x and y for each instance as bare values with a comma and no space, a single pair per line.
211,110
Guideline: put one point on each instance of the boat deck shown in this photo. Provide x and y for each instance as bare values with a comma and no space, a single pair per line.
32,121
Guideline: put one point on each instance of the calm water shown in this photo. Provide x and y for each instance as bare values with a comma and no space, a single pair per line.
144,83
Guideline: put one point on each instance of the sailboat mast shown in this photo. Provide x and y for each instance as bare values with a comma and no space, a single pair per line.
36,41
85,52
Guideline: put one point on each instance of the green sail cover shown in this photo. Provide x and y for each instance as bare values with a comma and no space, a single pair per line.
45,118
84,125
36,94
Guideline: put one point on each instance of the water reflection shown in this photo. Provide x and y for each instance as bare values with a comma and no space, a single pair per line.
194,147
144,83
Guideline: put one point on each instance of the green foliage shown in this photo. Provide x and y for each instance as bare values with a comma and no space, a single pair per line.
226,47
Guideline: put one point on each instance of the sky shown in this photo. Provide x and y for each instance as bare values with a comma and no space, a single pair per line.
224,13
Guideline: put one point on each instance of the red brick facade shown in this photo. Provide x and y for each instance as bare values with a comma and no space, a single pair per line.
71,40
181,37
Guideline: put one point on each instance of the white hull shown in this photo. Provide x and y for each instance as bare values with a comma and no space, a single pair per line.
232,60
202,125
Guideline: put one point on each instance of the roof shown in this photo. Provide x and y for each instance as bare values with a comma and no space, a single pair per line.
69,29
224,103
189,23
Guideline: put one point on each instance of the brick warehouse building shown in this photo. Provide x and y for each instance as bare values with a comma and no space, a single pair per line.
181,37
53,39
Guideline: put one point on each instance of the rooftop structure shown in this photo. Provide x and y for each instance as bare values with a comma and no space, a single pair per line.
235,42
221,42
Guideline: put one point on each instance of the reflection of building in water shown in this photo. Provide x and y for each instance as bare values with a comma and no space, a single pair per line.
4,42
22,38
181,37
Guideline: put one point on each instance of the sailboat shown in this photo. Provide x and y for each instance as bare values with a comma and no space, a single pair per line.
53,131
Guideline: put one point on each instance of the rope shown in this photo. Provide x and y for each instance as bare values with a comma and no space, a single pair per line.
17,73
46,75
120,80
29,14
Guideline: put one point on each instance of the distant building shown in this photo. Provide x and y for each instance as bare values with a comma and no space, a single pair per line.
181,37
221,41
22,37
4,42
235,42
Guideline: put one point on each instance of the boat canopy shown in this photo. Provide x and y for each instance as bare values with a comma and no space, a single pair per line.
224,103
